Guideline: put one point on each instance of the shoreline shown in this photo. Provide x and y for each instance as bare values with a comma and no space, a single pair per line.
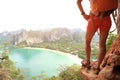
74,57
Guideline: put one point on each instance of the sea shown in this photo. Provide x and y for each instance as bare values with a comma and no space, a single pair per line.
37,61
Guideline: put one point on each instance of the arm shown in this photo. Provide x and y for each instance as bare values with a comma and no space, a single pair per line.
80,7
81,10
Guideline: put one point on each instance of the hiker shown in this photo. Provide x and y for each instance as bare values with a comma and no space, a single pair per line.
96,20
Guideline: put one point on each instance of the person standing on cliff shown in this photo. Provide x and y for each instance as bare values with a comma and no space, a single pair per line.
95,22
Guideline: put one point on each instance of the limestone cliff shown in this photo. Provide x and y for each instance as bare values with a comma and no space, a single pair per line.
39,36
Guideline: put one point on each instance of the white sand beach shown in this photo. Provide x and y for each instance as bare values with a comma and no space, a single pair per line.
74,57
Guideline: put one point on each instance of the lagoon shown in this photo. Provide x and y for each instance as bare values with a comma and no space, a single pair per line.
34,61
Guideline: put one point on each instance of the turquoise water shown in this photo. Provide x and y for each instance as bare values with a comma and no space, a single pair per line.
35,61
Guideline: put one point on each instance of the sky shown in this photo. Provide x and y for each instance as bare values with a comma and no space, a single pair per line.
41,14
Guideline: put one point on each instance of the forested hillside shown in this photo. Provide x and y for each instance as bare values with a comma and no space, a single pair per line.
62,39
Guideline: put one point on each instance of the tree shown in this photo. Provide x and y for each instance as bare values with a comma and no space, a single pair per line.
71,73
110,39
7,68
118,19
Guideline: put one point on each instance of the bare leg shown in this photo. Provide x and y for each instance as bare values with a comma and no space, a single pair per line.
102,46
89,36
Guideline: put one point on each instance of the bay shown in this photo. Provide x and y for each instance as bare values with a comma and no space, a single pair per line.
34,61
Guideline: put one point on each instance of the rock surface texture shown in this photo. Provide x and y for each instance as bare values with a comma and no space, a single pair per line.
110,67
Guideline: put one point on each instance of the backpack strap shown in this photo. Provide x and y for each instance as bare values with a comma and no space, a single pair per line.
114,15
105,13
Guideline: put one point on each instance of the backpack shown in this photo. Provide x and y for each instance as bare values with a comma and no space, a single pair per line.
103,8
98,6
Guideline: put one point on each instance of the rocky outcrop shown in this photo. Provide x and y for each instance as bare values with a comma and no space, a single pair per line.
3,75
88,74
111,63
31,37
39,36
110,67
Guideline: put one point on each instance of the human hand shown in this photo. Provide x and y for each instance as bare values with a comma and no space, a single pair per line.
86,17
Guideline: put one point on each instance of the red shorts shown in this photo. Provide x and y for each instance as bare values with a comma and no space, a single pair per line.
102,24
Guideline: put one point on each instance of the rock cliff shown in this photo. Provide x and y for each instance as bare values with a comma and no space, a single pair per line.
39,36
110,67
